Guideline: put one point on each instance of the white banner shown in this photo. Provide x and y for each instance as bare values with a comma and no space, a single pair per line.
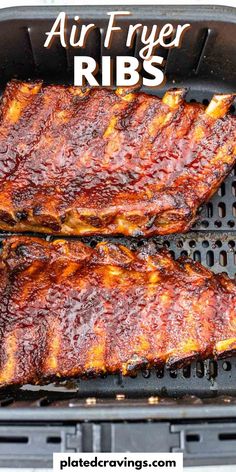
117,462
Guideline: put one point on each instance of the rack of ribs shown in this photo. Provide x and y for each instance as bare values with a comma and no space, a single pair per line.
68,310
99,161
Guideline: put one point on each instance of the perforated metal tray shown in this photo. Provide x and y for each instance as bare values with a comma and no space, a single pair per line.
114,412
198,66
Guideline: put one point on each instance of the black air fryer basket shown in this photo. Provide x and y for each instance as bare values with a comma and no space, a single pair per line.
191,409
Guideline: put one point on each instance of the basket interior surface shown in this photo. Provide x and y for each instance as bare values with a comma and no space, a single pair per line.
198,66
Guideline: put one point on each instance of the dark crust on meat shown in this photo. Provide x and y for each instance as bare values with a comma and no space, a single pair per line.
108,162
69,311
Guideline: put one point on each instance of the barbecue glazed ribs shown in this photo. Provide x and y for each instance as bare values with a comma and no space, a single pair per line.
109,162
68,310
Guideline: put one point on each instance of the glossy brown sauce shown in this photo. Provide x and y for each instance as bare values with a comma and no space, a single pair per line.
69,310
74,162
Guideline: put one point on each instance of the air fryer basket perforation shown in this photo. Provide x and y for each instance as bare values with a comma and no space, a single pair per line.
197,66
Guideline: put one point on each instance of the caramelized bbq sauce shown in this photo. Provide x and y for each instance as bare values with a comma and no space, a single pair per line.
108,162
69,310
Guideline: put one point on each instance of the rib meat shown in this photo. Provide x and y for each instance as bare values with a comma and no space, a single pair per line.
68,310
109,162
